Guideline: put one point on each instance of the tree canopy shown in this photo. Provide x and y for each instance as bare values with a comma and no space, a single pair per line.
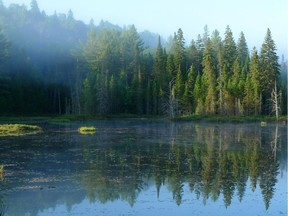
56,64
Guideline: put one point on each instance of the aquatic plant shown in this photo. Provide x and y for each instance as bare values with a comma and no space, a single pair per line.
18,129
87,130
1,169
263,124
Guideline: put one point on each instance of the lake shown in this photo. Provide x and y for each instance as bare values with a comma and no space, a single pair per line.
145,167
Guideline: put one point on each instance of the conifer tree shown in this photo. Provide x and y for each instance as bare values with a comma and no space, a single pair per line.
209,79
230,51
269,71
252,86
159,71
179,51
179,89
242,50
188,97
198,94
235,86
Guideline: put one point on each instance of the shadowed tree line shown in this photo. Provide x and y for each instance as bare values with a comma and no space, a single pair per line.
56,64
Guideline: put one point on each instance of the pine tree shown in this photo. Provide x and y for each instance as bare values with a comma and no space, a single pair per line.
35,9
188,97
179,89
159,71
170,67
198,94
179,51
242,50
235,87
269,71
209,79
230,51
254,76
283,84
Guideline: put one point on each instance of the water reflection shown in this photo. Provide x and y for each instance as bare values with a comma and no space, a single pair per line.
122,160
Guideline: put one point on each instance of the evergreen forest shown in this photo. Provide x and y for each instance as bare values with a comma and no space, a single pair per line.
55,64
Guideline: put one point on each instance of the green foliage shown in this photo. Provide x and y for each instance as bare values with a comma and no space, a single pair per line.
70,68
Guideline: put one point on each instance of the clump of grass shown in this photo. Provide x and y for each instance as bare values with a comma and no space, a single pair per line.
1,169
87,130
263,123
18,129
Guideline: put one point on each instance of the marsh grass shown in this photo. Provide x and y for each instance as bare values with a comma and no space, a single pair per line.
87,130
18,129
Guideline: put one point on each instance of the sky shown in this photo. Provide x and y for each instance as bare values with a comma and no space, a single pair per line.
165,17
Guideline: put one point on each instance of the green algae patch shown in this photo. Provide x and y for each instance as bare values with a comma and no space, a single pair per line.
87,130
18,129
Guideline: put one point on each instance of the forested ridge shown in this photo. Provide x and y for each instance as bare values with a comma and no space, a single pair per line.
54,64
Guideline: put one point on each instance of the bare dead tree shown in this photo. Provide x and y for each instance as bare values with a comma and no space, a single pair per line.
170,106
275,98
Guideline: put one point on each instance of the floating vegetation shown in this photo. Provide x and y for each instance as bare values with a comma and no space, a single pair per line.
87,130
1,169
263,124
1,174
18,129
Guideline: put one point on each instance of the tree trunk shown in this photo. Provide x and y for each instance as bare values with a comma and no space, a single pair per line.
275,103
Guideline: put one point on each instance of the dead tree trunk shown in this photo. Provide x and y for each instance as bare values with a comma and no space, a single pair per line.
275,101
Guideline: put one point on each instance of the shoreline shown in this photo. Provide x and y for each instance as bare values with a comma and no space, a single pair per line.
192,118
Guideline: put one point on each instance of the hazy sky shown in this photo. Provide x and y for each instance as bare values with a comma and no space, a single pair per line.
253,17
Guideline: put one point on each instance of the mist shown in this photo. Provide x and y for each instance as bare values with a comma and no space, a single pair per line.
54,60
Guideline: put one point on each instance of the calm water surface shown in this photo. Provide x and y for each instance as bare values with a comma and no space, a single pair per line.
140,167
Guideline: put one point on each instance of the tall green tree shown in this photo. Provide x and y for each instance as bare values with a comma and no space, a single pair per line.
230,51
236,88
252,87
242,50
188,97
269,70
199,95
179,89
209,79
179,51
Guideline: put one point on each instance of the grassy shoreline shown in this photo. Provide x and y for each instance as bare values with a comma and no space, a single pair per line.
231,119
199,118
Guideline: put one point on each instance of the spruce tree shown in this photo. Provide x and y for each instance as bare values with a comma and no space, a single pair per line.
209,79
255,81
179,88
159,71
198,94
188,98
179,51
269,71
242,50
230,51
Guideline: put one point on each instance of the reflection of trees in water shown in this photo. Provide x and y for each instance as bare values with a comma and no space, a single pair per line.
212,160
3,206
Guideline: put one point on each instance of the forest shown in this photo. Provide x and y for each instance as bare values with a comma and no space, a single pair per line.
55,64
